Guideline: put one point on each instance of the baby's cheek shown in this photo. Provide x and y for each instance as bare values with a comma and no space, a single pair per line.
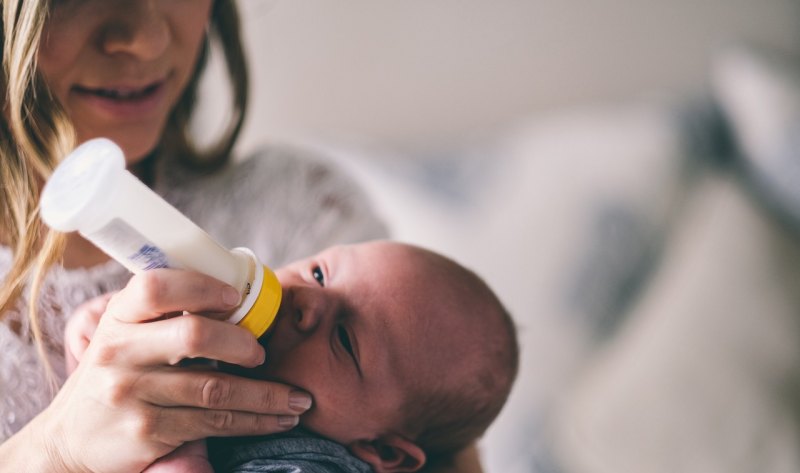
329,425
340,415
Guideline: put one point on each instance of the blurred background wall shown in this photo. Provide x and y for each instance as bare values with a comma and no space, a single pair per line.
416,71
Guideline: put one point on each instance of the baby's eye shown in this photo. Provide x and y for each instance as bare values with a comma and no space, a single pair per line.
317,273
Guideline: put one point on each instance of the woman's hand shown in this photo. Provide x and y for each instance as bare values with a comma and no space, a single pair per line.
128,403
191,457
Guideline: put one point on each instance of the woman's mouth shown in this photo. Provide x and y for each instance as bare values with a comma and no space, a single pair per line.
122,102
120,93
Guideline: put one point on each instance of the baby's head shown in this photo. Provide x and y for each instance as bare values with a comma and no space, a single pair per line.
407,354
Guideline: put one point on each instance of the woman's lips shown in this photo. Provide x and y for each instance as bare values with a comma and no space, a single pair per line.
123,102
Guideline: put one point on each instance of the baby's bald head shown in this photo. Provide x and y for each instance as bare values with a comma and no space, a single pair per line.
472,355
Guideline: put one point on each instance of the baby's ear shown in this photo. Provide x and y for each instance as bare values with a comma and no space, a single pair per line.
391,453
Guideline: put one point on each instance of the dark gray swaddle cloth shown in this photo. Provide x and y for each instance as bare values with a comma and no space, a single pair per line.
297,451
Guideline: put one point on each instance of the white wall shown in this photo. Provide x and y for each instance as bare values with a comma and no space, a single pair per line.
412,71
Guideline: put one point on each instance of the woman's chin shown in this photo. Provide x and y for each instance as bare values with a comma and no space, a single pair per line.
136,152
136,146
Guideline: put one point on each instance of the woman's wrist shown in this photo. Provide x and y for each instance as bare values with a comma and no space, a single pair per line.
32,450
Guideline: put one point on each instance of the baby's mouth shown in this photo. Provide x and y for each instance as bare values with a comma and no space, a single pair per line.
284,311
264,339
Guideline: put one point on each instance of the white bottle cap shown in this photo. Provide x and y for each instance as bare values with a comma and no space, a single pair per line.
77,193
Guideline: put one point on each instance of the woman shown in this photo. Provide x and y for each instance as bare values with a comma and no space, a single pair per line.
128,70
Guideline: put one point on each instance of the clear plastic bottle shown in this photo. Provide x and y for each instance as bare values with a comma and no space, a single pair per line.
91,192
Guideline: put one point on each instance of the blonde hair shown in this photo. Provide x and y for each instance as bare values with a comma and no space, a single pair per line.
35,132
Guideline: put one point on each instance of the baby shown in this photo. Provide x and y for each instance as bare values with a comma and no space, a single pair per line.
408,356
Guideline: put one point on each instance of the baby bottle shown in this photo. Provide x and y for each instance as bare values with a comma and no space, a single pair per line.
92,192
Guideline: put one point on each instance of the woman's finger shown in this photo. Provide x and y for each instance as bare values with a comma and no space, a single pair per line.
186,424
219,391
81,327
95,307
168,341
151,294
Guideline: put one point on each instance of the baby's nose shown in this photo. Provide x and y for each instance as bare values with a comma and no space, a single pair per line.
312,308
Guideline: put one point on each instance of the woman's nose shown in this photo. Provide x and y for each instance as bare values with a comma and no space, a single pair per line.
136,28
313,309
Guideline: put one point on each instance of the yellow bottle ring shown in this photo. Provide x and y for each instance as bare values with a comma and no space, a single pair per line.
265,308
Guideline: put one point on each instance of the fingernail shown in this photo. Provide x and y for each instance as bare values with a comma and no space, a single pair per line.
299,401
288,421
230,296
261,357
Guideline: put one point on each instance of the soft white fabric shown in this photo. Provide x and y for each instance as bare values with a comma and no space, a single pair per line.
759,93
281,204
703,378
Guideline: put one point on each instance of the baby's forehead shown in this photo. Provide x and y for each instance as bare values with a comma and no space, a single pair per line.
398,273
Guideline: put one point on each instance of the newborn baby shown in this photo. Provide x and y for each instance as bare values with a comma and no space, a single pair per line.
408,356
